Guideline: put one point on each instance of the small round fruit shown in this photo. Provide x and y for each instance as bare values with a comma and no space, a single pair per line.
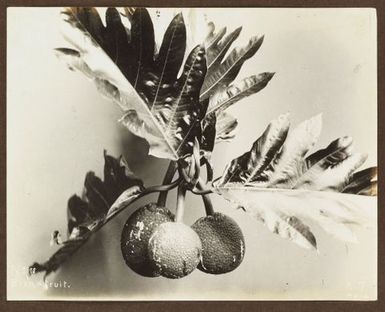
174,249
136,234
223,244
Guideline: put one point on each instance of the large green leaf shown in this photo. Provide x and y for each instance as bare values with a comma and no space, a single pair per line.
165,109
334,212
276,182
159,106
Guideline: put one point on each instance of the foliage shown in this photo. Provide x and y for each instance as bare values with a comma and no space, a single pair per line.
183,116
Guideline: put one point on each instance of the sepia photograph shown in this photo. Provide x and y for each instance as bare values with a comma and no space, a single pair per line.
162,154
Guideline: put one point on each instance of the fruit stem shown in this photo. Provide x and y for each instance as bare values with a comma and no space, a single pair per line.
190,169
201,192
206,200
209,170
166,180
161,188
197,162
183,174
180,203
203,189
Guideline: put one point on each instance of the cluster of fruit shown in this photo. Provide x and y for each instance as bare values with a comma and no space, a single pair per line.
154,243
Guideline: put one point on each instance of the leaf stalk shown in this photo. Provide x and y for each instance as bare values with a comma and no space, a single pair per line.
162,199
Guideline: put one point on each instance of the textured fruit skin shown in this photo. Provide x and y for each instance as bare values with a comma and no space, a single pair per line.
135,236
175,250
223,244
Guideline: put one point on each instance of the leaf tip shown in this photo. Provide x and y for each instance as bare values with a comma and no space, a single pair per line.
260,39
268,76
284,117
347,140
179,17
364,157
238,30
314,125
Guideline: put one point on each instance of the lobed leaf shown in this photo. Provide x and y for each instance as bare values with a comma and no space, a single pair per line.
219,87
166,110
172,50
160,107
288,163
288,227
142,40
363,182
248,167
220,75
332,178
223,99
100,202
217,45
276,182
333,212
